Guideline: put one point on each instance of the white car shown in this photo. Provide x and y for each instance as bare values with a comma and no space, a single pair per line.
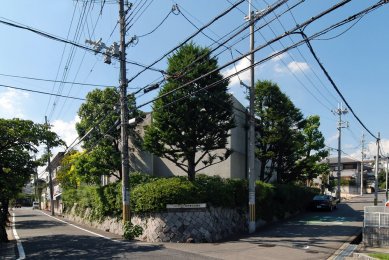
35,205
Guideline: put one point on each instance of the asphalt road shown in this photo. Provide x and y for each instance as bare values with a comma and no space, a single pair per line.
312,235
43,237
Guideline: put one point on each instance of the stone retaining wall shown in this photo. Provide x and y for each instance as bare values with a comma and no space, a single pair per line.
209,225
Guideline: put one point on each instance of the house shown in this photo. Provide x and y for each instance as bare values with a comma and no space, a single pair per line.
350,170
55,165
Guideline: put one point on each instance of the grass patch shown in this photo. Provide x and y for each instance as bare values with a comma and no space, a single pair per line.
383,256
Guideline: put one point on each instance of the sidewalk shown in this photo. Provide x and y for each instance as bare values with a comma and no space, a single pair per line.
9,250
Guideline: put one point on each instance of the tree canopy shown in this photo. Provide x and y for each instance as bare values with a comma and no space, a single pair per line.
287,144
190,123
19,140
101,111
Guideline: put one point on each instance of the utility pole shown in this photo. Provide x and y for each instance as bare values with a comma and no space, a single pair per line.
251,135
386,179
377,161
50,174
120,51
124,115
340,111
363,156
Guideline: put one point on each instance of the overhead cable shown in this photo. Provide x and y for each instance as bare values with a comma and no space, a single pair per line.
55,81
293,31
187,39
41,92
56,38
334,85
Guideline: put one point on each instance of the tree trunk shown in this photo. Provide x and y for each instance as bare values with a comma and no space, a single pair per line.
191,168
3,220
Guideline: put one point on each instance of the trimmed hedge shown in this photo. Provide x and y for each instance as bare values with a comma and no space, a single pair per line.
150,194
215,191
275,200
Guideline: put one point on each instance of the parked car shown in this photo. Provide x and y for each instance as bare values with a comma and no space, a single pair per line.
35,205
324,202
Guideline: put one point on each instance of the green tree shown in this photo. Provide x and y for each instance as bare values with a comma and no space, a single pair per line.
278,133
190,123
101,111
313,151
18,140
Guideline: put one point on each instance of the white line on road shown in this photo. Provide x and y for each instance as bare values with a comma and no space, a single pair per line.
83,229
22,255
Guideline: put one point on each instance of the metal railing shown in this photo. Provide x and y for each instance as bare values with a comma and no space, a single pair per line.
376,216
376,226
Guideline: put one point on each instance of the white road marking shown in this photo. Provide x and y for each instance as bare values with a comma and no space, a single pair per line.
83,229
22,255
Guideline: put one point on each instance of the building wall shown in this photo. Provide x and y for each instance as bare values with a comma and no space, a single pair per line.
233,167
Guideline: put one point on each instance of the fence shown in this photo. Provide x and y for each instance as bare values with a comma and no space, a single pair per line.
376,226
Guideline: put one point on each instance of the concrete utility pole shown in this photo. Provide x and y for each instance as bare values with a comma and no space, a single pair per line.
386,178
124,115
363,156
377,161
120,51
340,111
251,135
50,174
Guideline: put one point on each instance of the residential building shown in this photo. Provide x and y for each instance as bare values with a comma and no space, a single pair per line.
350,170
235,166
55,165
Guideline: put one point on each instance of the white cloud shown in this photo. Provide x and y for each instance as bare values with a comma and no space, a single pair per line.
371,149
244,76
293,66
278,57
66,130
296,66
11,103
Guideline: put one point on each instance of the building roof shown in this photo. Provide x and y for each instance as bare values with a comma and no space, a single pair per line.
334,160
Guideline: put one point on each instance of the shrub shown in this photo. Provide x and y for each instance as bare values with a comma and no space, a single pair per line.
137,178
131,231
276,200
153,196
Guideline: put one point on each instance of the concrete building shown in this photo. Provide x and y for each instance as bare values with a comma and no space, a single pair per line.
235,166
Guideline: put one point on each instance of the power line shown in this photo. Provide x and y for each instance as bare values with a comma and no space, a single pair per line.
56,38
340,34
55,81
40,92
63,53
159,25
246,25
298,27
187,39
333,84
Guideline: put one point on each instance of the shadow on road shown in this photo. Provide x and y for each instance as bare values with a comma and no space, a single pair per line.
82,247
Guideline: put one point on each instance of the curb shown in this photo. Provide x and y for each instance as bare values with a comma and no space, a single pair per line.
344,246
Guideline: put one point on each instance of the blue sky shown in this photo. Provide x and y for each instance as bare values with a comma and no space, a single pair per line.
357,60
